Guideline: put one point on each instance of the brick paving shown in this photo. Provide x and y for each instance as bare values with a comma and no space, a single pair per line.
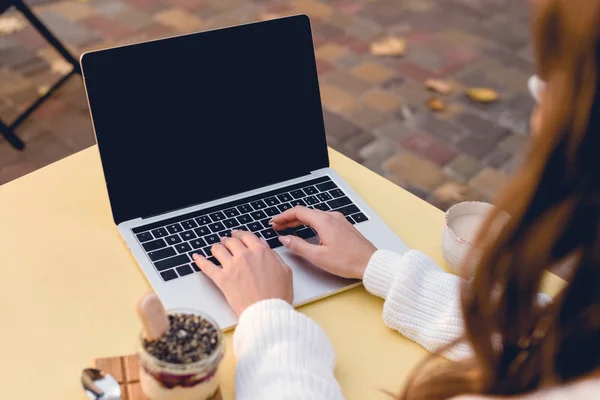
374,107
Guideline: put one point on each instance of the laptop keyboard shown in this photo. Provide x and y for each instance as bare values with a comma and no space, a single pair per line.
170,244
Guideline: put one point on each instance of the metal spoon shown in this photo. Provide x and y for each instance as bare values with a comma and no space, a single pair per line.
100,385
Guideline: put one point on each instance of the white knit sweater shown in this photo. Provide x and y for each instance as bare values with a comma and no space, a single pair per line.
284,355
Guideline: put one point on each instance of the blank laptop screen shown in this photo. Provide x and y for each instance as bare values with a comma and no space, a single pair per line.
186,120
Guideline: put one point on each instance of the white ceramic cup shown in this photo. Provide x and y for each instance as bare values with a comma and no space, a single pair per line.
463,221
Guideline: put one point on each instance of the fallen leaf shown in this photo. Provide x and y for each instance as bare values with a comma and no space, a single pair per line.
436,104
439,86
61,67
483,95
9,25
390,46
43,89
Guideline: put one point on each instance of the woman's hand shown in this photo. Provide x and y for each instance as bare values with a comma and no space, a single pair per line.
251,271
343,250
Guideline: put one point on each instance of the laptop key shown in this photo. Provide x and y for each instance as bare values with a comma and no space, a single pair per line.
174,228
232,212
244,219
336,193
203,220
337,203
255,226
154,245
245,209
310,190
310,200
297,194
189,224
225,233
272,201
195,267
265,222
173,239
172,262
268,233
183,248
326,186
349,219
322,207
298,202
284,197
360,217
258,205
231,222
212,239
214,261
144,237
348,210
169,275
283,207
187,235
202,231
184,270
241,228
324,196
216,227
218,216
271,211
306,233
258,215
274,243
207,251
197,243
162,253
160,232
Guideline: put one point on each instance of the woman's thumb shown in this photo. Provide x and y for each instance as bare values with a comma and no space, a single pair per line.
300,246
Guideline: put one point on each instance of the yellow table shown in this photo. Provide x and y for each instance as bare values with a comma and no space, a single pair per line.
68,285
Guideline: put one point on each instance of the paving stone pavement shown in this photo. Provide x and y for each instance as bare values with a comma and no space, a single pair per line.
374,107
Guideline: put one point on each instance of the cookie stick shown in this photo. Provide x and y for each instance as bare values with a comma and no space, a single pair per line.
152,315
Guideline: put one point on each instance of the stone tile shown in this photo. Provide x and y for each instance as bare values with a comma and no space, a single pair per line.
108,28
12,171
463,168
111,9
444,131
348,60
364,29
338,126
12,82
74,10
498,158
336,100
514,143
324,67
367,118
384,12
407,168
73,129
346,82
425,57
353,146
371,72
69,31
329,51
53,106
475,146
188,5
381,100
146,5
135,20
481,127
374,154
30,38
394,130
312,7
179,19
489,182
428,148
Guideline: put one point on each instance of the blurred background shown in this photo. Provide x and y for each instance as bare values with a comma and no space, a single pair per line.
374,58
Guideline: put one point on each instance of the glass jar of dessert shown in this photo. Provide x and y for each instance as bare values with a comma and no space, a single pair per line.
182,364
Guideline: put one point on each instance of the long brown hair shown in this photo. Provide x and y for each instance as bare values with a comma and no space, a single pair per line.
554,204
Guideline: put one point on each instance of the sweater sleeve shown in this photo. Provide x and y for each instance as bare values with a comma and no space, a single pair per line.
421,300
283,355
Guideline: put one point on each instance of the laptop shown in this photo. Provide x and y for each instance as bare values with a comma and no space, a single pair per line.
204,133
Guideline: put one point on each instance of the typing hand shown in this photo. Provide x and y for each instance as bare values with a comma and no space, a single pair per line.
343,250
251,271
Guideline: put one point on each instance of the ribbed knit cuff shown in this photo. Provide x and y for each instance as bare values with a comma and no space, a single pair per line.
275,322
381,271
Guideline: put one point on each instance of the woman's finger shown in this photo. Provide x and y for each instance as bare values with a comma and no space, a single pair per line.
221,253
206,266
234,245
249,239
301,215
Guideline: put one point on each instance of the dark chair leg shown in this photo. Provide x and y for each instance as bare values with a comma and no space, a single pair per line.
10,137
